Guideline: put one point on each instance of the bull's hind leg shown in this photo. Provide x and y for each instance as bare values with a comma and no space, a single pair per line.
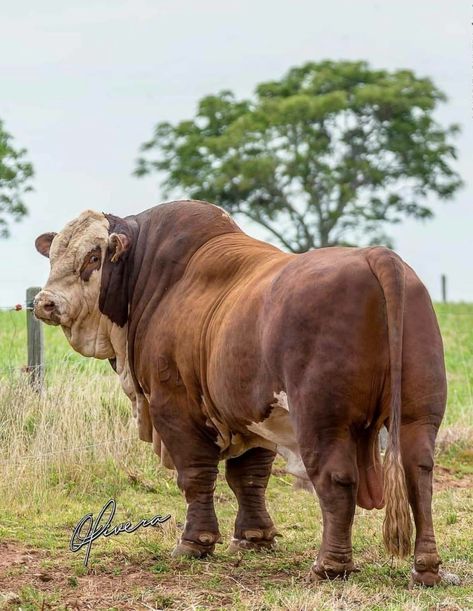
330,461
248,475
417,446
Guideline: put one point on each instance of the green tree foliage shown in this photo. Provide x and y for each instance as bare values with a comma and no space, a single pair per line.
330,154
15,175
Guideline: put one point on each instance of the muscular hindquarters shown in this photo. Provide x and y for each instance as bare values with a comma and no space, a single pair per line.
328,340
423,388
423,368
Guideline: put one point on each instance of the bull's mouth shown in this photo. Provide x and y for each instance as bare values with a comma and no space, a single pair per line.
53,320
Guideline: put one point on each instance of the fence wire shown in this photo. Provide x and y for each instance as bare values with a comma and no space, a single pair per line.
12,352
67,451
61,370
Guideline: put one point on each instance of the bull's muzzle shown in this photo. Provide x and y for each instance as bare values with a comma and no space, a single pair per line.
45,307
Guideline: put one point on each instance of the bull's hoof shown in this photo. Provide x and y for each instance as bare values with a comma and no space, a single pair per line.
238,545
191,549
330,570
427,579
426,571
255,539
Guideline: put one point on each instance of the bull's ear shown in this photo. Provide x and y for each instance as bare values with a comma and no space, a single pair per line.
118,243
43,243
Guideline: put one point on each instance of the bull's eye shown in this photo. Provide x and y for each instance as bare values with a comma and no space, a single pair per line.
91,263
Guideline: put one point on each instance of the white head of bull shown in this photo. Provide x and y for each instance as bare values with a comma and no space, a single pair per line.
70,297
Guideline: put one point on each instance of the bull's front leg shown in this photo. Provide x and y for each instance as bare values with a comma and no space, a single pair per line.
201,533
195,456
248,475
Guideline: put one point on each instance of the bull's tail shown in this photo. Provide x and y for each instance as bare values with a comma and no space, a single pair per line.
397,526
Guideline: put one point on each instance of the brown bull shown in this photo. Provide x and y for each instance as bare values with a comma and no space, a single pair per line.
231,349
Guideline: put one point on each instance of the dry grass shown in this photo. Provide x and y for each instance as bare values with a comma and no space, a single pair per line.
78,419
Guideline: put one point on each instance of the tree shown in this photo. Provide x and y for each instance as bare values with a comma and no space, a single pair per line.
15,175
330,154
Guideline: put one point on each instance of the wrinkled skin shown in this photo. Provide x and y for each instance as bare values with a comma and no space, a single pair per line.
244,351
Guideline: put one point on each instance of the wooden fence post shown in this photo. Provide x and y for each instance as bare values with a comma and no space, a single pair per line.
35,342
444,288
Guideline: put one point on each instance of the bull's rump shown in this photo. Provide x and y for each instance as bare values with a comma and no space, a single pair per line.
301,353
316,330
424,382
318,323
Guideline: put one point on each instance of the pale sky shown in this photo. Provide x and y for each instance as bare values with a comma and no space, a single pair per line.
83,83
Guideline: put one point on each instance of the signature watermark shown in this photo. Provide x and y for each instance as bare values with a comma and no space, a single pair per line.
87,530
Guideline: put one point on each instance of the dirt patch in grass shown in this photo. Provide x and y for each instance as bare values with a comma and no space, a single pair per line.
31,579
448,478
12,554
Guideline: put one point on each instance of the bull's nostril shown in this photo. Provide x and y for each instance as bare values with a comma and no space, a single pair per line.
49,306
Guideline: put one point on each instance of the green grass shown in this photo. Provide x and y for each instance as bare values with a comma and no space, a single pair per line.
65,454
58,353
456,325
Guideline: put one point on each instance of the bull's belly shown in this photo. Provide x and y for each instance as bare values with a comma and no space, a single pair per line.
277,429
275,433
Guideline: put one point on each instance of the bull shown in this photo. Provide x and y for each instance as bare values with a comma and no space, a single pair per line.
231,349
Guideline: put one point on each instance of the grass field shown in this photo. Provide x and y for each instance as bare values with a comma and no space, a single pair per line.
65,454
